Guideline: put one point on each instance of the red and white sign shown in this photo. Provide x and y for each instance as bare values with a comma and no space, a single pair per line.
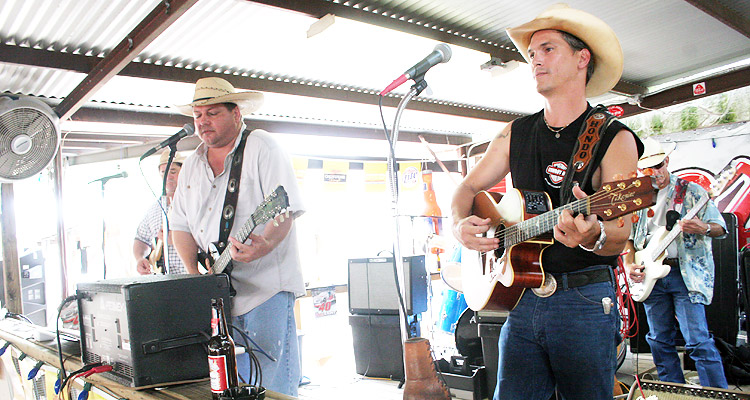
699,88
617,111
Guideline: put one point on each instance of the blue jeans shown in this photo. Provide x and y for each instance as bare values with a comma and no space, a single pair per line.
271,325
668,299
565,342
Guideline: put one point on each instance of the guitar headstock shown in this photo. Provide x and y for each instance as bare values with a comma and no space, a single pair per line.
273,205
621,197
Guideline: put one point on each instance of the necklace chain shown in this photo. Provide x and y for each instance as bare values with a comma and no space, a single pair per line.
558,130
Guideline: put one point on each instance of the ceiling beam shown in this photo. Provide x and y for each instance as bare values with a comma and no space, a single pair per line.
250,81
388,18
724,14
91,114
735,79
161,17
395,20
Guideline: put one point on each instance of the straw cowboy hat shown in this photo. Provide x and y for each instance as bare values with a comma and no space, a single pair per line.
179,158
216,90
598,36
655,152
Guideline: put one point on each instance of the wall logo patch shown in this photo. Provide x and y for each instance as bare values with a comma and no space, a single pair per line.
556,173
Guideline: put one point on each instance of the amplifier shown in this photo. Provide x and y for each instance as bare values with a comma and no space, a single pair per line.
151,329
676,391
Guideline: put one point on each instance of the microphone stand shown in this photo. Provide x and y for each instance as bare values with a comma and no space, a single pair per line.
164,209
419,85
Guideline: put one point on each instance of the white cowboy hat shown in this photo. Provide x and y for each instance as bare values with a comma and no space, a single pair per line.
654,152
179,158
598,36
216,90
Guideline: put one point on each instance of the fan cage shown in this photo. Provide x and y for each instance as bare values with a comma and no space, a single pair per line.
38,123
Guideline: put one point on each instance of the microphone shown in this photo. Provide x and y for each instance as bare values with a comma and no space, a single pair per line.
103,180
441,54
187,130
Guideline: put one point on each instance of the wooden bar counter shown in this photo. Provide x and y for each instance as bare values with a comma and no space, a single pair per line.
21,337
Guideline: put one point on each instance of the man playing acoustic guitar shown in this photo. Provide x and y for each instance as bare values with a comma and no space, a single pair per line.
689,285
567,340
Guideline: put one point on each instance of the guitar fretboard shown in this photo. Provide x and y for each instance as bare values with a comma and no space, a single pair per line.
541,224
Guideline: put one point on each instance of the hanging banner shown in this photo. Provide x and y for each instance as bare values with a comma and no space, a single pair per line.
334,174
376,175
300,168
409,173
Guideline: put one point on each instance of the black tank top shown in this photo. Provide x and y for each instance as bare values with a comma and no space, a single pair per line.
538,161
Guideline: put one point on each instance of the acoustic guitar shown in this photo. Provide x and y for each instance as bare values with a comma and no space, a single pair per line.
523,221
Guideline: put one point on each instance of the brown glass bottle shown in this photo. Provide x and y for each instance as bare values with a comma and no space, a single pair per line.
222,364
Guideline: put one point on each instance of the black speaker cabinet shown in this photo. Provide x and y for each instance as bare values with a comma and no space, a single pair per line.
372,286
151,329
377,345
722,314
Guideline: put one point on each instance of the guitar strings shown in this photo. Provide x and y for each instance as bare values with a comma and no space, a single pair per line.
549,220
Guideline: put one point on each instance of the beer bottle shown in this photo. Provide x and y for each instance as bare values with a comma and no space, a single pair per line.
222,364
431,208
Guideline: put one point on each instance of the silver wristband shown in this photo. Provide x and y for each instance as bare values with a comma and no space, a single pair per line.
599,242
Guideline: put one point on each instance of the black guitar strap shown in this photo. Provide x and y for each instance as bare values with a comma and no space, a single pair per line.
579,167
230,198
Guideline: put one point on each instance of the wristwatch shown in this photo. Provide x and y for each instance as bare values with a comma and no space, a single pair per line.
599,242
708,230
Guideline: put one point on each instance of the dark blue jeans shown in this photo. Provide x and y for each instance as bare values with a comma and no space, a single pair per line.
668,299
565,341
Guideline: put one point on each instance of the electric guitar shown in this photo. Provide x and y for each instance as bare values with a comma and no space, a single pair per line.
523,221
274,205
653,255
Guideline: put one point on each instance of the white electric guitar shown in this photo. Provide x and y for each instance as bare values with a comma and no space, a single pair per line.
653,255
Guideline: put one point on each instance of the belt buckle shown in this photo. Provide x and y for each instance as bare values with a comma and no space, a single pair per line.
548,288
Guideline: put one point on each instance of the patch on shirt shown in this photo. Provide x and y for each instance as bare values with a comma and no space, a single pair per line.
555,173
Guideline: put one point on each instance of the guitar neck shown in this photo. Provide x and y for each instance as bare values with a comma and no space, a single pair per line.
676,231
225,258
543,223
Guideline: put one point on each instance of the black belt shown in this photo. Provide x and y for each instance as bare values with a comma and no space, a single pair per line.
672,262
575,279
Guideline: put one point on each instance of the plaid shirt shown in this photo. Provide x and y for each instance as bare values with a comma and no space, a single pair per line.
148,231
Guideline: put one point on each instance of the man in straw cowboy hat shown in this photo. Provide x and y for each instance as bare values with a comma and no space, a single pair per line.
266,270
149,235
688,287
567,340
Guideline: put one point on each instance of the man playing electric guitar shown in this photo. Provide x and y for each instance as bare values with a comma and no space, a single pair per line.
567,340
221,184
688,287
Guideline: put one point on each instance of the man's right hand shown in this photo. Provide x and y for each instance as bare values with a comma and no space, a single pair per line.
635,272
467,229
143,266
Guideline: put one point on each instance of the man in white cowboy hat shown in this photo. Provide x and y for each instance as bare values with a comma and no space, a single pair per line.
149,235
688,287
266,273
567,340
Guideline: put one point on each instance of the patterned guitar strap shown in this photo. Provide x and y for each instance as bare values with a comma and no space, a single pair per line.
579,166
230,204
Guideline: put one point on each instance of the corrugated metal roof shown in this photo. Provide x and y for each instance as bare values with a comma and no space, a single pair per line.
662,41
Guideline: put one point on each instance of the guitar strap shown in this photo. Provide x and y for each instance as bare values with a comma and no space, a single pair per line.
579,167
679,194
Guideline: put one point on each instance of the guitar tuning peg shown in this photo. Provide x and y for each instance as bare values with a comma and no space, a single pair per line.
634,218
275,223
281,217
620,222
650,213
288,213
633,174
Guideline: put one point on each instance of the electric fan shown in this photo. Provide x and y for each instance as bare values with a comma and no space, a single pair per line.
29,137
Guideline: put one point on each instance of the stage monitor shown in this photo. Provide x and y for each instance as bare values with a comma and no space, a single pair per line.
372,285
